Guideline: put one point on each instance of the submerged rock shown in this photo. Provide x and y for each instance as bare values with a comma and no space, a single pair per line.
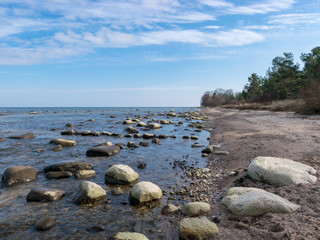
280,171
197,228
44,195
19,174
68,132
23,136
63,142
156,140
58,175
144,192
121,174
132,145
255,202
89,193
45,223
85,174
57,148
194,209
132,130
2,139
144,144
72,167
103,150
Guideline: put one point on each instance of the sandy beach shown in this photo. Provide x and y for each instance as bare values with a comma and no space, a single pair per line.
246,135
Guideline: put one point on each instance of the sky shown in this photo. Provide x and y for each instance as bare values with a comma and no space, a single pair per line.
140,53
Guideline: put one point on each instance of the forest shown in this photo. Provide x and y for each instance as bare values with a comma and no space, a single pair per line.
284,80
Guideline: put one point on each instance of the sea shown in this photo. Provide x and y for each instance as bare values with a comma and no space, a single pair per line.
17,216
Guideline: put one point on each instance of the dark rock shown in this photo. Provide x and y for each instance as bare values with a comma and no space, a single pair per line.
68,132
19,174
97,228
23,136
132,145
45,223
163,136
69,125
132,130
58,175
144,144
44,195
142,165
72,167
185,137
57,148
128,135
156,140
103,151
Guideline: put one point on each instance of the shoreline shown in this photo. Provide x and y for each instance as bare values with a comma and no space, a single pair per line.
246,135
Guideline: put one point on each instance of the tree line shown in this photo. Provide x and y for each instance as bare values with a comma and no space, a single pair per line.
283,80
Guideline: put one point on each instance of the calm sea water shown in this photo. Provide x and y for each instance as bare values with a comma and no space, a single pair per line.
17,217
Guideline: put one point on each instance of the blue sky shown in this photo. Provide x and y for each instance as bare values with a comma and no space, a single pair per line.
143,52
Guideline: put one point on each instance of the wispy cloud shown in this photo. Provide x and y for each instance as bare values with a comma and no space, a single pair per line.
295,18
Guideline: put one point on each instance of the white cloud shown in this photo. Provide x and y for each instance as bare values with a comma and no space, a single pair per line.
295,18
212,27
216,3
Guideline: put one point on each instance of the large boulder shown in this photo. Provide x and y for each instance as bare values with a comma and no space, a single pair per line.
63,142
72,167
44,195
144,192
280,171
121,174
255,202
194,209
197,228
89,193
129,236
19,174
103,150
23,136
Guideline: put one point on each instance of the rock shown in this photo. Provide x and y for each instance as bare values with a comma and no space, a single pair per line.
106,133
137,135
112,116
85,133
104,144
45,223
156,140
120,145
117,191
2,139
154,125
72,167
121,174
44,195
194,209
89,193
33,112
127,122
63,142
19,174
95,134
163,136
85,174
221,152
103,150
144,144
194,137
128,135
58,175
97,228
69,125
57,148
204,155
197,228
142,165
209,148
173,136
91,120
148,136
132,145
196,145
141,124
169,209
129,236
280,171
180,122
144,192
68,132
23,136
164,122
185,137
132,130
117,135
255,202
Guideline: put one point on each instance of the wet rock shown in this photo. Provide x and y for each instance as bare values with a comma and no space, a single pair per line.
137,135
210,148
57,148
19,174
23,136
164,122
58,175
148,136
128,135
63,142
204,155
221,153
121,174
142,165
169,209
69,125
81,174
185,137
173,136
154,125
129,236
117,135
132,130
84,133
144,144
68,132
255,202
194,137
106,133
117,191
197,228
163,136
156,140
104,144
33,112
120,145
280,171
103,150
94,133
141,124
45,223
194,209
44,195
180,122
2,139
91,120
112,116
144,192
196,145
127,122
132,145
89,193
72,167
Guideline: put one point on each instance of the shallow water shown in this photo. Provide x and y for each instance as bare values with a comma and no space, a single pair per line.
17,217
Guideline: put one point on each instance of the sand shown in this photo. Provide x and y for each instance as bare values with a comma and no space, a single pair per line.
247,134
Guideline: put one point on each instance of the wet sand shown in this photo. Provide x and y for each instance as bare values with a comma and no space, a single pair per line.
246,135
